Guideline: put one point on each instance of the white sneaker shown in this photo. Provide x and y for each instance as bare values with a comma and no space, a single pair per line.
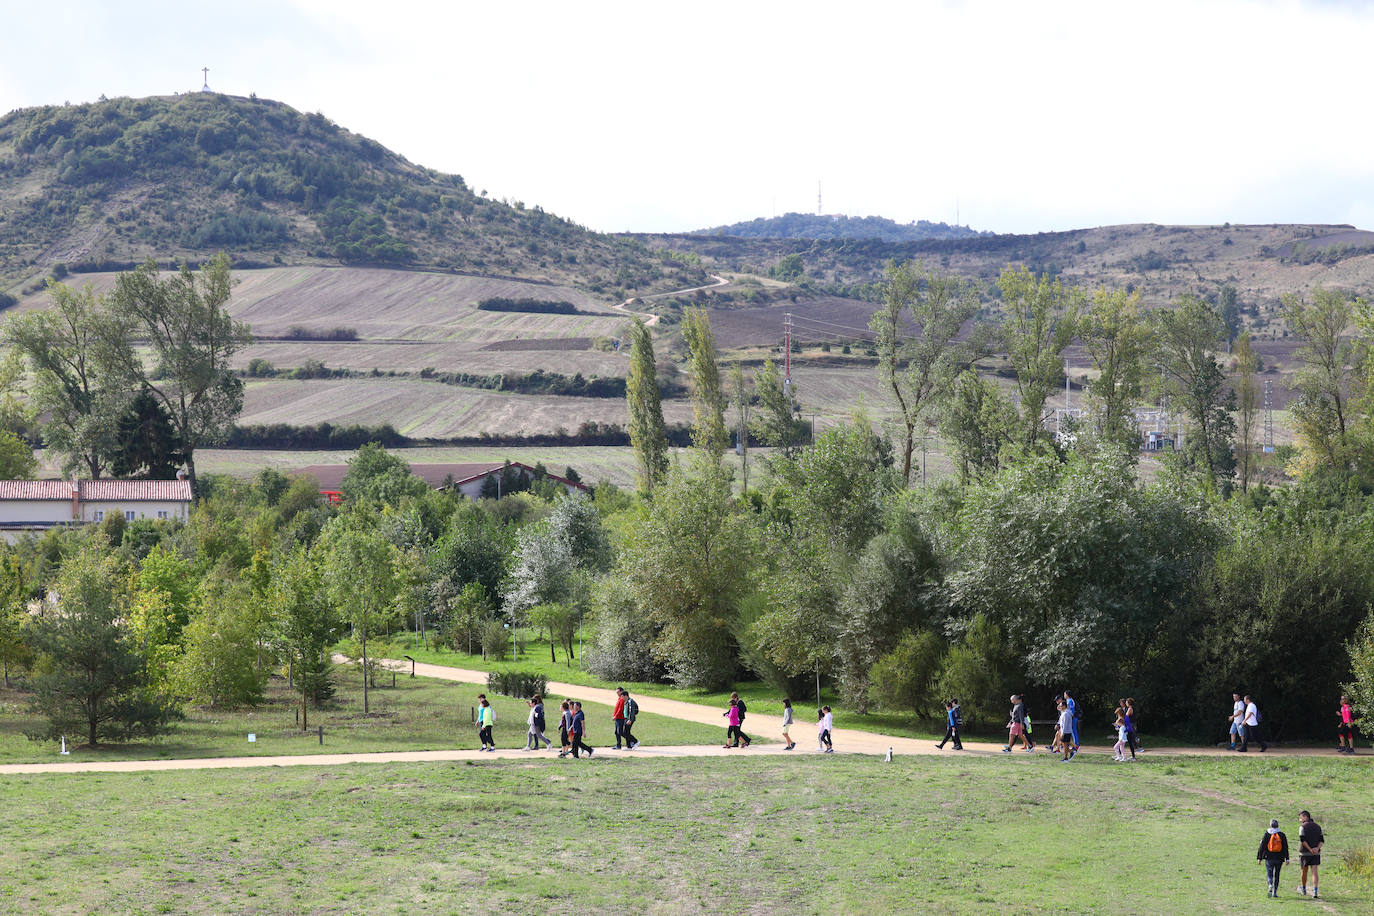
1303,891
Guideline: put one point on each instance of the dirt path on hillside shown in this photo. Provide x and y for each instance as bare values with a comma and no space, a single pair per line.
847,741
651,319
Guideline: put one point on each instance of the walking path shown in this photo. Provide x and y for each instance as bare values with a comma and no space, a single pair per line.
847,741
650,319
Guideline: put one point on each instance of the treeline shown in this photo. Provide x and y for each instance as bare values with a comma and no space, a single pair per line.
300,332
536,382
538,306
326,436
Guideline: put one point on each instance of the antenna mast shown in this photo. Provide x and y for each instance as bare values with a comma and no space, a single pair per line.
819,210
787,354
1268,416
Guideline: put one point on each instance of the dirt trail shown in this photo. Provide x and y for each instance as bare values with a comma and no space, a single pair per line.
651,319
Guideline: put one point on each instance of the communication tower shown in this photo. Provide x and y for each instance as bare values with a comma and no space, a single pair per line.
205,75
1268,416
819,211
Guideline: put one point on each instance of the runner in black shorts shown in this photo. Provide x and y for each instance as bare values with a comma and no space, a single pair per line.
1310,841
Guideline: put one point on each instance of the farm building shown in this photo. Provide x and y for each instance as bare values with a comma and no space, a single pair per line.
467,479
37,505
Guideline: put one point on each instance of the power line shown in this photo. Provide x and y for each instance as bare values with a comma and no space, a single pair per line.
833,324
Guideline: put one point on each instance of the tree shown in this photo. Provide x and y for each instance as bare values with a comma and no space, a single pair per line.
1321,410
14,648
91,675
1041,318
648,435
305,623
360,579
17,461
908,675
918,359
84,367
708,394
978,424
1187,338
219,664
145,442
1248,400
1117,338
377,475
686,561
164,594
743,399
778,424
1361,651
193,339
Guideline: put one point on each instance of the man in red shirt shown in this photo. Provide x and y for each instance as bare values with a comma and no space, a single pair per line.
618,714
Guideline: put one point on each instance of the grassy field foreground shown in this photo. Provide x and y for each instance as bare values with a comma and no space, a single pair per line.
807,834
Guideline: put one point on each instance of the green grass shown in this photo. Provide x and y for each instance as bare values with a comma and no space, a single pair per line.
738,835
763,700
418,714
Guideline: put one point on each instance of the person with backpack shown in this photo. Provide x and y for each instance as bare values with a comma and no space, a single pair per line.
618,716
631,713
1237,720
1273,852
578,729
788,743
537,724
1310,840
1345,731
1252,727
486,718
952,722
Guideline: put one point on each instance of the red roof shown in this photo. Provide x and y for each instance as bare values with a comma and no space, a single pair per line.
98,490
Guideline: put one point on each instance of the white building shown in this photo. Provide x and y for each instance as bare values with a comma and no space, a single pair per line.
37,505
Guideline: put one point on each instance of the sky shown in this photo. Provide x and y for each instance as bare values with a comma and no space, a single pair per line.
656,117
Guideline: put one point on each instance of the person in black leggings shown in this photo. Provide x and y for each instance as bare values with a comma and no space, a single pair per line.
579,724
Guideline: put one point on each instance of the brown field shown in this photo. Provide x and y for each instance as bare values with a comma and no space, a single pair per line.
445,356
427,409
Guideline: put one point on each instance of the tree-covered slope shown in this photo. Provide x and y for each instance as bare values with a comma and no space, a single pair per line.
184,176
817,226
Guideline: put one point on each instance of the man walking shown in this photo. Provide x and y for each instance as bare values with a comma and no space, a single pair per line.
579,726
1066,732
1310,841
618,715
631,713
1237,720
952,723
1273,852
1073,720
1252,727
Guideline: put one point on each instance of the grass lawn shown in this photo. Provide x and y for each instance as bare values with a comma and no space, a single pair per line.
764,701
737,835
418,714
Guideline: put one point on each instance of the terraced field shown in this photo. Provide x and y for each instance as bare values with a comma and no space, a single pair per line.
444,356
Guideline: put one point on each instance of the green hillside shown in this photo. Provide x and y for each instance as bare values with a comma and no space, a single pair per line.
839,226
107,184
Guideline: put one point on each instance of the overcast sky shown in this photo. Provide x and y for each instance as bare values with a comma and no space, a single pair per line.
1018,116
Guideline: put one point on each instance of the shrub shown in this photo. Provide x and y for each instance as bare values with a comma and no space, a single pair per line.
495,639
539,306
522,684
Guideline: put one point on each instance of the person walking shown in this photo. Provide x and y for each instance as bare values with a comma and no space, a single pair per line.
631,713
952,723
486,718
1237,721
1119,749
788,743
1310,840
731,715
1073,720
618,716
743,708
1345,731
1128,717
1252,727
827,727
565,729
538,723
578,729
1066,732
1016,726
1273,852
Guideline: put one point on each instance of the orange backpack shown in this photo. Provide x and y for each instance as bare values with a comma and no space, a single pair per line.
1275,843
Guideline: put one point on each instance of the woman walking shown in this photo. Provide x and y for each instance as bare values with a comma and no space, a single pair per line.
565,729
1346,730
537,724
1132,724
1119,749
486,717
788,743
732,724
1273,852
824,721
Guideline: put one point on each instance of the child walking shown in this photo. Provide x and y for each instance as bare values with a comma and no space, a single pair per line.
825,722
565,729
787,725
732,724
1119,749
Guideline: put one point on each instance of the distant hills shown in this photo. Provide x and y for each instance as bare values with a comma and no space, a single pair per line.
107,184
819,226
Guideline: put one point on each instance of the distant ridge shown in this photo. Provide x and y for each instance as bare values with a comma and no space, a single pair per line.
839,226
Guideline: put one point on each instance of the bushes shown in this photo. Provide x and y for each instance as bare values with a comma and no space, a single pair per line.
300,332
538,306
521,684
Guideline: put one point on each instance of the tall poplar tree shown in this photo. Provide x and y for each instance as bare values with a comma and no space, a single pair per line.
708,394
1248,396
647,433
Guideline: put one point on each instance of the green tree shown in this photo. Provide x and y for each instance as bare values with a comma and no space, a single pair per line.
1117,339
1040,320
917,327
1361,651
91,677
145,442
978,424
193,340
1186,340
907,677
14,647
219,663
686,559
742,397
360,578
1248,405
377,475
648,435
17,461
778,424
84,367
306,624
1321,410
708,394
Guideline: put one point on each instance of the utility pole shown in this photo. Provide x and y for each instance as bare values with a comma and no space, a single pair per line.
1268,417
787,354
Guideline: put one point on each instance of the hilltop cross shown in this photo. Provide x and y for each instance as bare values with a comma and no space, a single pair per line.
205,71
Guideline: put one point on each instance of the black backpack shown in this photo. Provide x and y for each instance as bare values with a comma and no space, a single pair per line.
631,708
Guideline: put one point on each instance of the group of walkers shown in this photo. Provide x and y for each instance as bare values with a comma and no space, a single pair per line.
572,725
1065,741
1273,852
736,738
1245,725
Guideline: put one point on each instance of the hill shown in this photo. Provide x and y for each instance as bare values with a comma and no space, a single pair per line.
839,226
108,184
